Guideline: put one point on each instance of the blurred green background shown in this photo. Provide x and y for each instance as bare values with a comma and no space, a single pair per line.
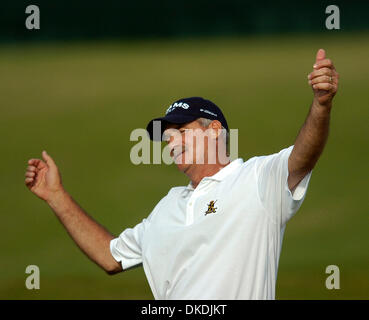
81,100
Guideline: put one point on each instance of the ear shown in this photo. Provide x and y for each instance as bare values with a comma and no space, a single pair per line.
216,126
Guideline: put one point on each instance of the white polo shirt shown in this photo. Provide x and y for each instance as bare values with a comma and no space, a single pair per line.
193,248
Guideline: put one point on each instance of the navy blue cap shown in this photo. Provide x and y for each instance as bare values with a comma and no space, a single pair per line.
184,111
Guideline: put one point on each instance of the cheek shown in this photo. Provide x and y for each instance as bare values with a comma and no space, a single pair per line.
199,147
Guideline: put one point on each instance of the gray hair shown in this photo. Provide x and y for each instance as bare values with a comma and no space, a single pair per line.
206,122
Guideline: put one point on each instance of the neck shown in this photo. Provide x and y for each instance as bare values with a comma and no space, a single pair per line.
197,172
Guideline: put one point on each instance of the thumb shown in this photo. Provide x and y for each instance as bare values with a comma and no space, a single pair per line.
49,161
320,55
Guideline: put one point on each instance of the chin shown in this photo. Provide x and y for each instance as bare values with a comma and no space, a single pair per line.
181,163
182,167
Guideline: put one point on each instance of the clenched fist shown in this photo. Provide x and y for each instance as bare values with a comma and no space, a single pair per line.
43,177
324,79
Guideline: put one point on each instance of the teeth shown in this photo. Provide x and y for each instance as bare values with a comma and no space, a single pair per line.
177,153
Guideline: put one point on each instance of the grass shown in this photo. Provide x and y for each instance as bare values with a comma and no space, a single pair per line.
80,102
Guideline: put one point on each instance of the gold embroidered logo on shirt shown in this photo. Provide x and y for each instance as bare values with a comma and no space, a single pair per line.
211,208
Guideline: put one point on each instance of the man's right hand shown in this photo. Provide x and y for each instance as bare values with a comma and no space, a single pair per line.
43,177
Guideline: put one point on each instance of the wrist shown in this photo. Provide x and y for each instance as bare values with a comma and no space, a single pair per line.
322,108
56,197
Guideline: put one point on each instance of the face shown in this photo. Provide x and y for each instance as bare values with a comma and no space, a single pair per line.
189,144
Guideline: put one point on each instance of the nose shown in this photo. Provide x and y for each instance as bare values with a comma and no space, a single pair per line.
170,139
171,135
174,145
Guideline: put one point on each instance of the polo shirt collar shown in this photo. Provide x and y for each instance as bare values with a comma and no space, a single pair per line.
221,174
227,170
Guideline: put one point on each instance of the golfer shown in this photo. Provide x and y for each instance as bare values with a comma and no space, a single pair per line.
219,237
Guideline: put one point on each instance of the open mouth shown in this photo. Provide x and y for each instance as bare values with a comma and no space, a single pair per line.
177,156
177,152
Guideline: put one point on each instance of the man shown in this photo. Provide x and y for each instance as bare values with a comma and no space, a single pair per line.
220,237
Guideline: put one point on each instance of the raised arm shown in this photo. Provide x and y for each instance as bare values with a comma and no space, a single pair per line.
43,179
313,135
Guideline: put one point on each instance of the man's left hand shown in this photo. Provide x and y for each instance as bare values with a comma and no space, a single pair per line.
323,80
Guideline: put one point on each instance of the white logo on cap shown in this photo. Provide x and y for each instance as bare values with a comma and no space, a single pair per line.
209,112
176,105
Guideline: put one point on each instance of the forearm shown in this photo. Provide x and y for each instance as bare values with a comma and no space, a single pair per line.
311,139
91,237
313,135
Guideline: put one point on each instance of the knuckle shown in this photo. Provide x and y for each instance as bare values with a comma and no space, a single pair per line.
318,79
315,74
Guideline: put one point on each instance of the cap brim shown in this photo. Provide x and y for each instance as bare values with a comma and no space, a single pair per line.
157,134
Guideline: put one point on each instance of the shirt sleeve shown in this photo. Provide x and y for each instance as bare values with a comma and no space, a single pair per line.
127,248
274,193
